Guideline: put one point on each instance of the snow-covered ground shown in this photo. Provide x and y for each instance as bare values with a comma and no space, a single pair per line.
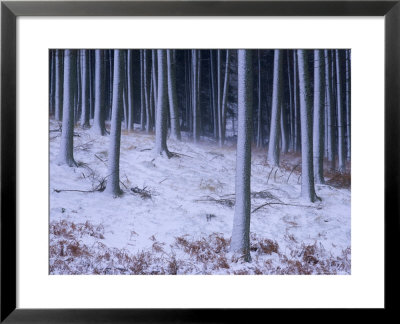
179,219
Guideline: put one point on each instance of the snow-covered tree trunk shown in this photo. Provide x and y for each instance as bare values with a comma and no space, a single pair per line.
66,154
330,111
147,93
284,131
173,104
59,85
162,105
214,94
224,100
52,77
113,187
130,90
348,104
219,94
291,106
143,116
85,115
273,147
340,117
99,127
296,103
195,96
307,174
259,115
240,242
319,115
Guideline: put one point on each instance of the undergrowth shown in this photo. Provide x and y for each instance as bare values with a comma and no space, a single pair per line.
70,253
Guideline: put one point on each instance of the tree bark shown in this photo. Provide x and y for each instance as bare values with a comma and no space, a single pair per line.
273,148
162,105
113,187
99,127
240,242
340,117
66,154
307,174
173,104
319,115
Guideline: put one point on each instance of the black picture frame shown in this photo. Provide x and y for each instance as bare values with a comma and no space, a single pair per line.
10,10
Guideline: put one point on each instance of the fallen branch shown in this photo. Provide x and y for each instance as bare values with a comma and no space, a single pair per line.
285,204
270,174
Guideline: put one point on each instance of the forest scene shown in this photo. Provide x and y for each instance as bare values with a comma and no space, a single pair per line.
199,161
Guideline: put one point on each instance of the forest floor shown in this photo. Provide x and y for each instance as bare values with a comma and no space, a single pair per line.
175,216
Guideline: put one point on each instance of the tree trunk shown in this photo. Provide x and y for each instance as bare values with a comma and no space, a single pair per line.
143,115
296,102
224,99
307,174
214,94
99,127
284,131
59,86
340,117
348,104
319,115
330,110
259,115
273,148
85,90
66,154
195,96
173,104
162,106
130,90
113,187
147,94
241,222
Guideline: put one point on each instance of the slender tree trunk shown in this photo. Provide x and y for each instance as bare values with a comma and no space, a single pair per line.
173,105
143,115
291,106
85,90
340,117
330,111
296,102
147,93
130,90
125,89
224,99
214,94
195,100
259,115
307,173
273,149
284,131
154,74
162,105
241,222
99,127
52,81
113,187
348,104
219,94
319,117
66,154
59,85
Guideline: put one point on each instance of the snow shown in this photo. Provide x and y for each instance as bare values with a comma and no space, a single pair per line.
181,229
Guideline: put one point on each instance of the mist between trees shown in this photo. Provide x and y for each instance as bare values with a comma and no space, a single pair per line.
279,101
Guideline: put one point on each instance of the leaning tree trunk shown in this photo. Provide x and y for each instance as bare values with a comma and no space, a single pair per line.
115,133
273,148
66,154
340,117
173,104
307,174
162,105
241,222
59,86
319,115
99,127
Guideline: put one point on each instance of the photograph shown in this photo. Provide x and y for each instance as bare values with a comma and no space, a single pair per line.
199,161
